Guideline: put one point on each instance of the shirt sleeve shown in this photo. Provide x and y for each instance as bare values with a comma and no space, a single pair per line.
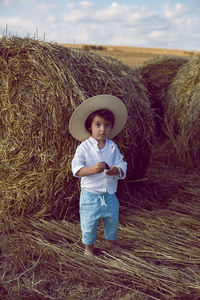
78,161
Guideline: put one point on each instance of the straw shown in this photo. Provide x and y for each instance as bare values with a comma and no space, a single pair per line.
41,84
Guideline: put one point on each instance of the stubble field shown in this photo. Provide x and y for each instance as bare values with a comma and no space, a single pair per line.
132,56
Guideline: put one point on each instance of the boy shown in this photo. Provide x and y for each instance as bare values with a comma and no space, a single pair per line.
99,164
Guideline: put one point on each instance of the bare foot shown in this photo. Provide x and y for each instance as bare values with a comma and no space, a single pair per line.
89,250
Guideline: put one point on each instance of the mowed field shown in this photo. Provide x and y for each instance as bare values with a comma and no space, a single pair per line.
132,56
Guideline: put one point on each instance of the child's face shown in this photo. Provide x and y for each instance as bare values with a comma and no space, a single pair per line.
100,128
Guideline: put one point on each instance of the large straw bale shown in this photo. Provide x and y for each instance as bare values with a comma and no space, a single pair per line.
157,74
183,114
95,74
41,84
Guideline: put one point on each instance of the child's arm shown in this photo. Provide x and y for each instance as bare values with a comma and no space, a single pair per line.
97,168
113,171
119,166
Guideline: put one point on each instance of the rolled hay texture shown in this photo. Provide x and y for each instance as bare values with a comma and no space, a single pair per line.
94,75
40,86
183,114
157,74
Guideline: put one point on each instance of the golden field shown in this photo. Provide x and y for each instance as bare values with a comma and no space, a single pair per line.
133,56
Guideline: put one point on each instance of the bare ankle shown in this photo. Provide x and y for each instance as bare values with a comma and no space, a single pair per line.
89,248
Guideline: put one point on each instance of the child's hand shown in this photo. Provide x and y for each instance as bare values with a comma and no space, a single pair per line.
112,171
100,167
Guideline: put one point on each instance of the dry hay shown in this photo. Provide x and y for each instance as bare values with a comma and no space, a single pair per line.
104,74
43,259
40,85
157,74
158,258
183,114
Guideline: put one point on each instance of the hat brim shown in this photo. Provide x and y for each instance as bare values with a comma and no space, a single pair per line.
82,112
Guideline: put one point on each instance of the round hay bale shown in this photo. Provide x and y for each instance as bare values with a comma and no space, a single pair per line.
157,74
183,114
41,84
95,74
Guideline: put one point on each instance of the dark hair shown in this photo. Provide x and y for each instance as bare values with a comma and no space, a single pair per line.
104,113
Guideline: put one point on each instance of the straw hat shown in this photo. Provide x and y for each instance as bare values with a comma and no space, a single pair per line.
82,112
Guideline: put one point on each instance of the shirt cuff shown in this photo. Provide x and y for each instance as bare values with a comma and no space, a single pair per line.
75,170
119,175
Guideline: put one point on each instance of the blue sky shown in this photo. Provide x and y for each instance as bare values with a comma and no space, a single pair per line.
141,23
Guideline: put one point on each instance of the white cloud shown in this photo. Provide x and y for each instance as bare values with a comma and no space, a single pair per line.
27,1
109,13
17,24
157,34
76,16
50,19
70,4
175,10
176,25
10,2
44,7
131,25
85,4
7,2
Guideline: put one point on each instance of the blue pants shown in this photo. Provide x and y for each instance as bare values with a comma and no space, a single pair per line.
92,208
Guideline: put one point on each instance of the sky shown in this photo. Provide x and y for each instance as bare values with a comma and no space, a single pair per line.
167,24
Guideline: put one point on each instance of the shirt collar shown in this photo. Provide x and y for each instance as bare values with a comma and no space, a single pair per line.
93,141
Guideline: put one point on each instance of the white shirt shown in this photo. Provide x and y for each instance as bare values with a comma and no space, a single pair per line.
88,154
